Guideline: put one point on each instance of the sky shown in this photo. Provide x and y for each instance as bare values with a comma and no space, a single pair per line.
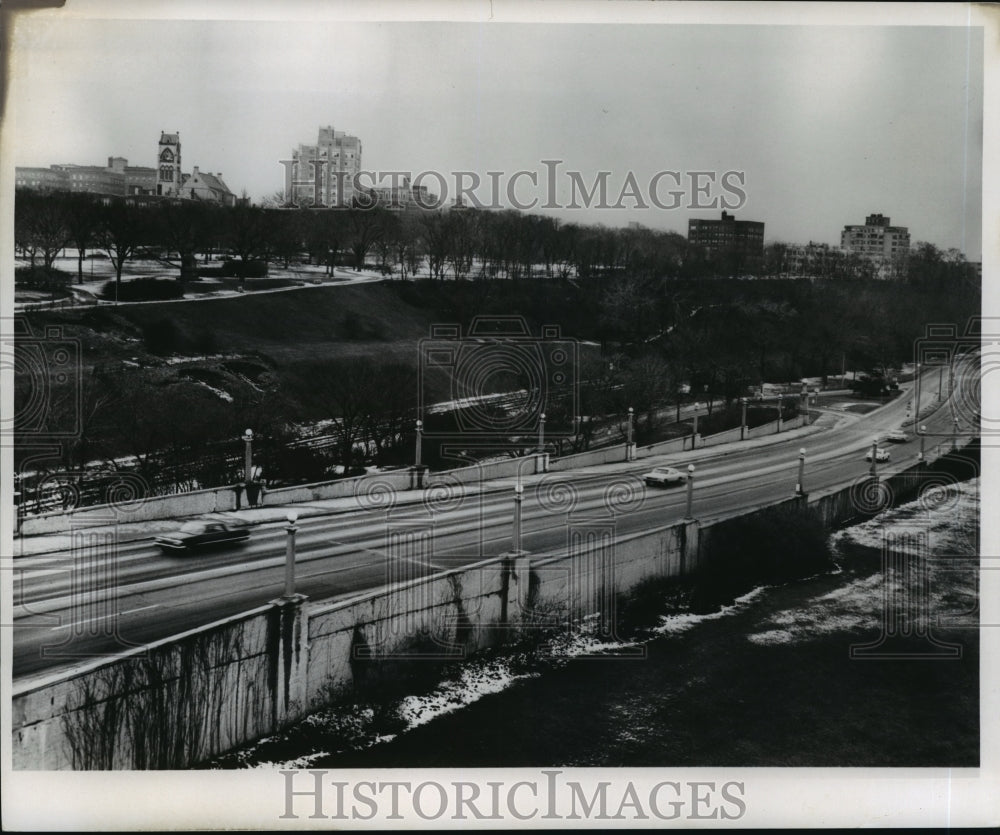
827,124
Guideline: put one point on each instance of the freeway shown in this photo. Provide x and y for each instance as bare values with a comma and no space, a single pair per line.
106,597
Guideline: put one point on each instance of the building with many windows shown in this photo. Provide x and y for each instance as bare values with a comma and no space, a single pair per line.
324,173
119,179
887,247
876,240
727,235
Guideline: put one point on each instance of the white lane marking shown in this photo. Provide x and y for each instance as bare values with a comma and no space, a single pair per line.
103,617
41,572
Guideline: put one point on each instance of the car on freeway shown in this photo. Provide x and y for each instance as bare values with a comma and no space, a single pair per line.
201,534
897,436
661,476
880,455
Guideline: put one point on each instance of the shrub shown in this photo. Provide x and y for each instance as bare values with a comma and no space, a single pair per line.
773,546
244,269
161,336
143,289
211,272
41,278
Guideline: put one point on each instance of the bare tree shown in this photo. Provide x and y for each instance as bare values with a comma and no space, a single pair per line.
83,222
121,232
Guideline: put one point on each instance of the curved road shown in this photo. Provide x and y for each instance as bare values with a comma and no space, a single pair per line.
85,606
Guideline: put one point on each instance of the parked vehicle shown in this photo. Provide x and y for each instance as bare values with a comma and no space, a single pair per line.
881,454
662,476
202,534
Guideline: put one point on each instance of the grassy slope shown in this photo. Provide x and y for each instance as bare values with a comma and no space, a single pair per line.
306,324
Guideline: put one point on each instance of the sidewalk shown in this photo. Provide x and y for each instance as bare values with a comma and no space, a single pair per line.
134,531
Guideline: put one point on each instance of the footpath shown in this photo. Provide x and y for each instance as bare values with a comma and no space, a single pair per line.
828,419
125,532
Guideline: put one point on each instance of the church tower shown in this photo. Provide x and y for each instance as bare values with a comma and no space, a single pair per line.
168,165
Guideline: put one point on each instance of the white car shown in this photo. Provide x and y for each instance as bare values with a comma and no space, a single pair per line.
663,475
897,436
880,455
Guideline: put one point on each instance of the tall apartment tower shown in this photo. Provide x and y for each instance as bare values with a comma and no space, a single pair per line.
168,165
876,239
324,173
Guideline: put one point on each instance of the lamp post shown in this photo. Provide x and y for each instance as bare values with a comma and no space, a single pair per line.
743,418
874,468
940,379
923,441
800,488
541,433
290,529
628,435
248,459
954,434
416,456
518,497
690,495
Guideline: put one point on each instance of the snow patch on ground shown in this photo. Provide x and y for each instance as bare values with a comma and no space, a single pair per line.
675,624
950,527
472,683
220,393
951,511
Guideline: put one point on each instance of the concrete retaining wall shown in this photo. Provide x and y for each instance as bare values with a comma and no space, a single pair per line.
772,428
166,705
666,447
726,437
188,698
592,458
232,682
361,487
489,471
158,507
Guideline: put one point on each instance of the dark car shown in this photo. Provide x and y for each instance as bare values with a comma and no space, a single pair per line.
199,535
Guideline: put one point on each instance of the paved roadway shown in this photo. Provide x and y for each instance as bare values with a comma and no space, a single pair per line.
103,605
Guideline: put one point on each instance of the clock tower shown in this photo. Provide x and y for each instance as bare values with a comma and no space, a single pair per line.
168,165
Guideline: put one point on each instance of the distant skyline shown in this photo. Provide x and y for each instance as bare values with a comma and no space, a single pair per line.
829,124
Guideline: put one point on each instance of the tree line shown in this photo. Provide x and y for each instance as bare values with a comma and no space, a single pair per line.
442,245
